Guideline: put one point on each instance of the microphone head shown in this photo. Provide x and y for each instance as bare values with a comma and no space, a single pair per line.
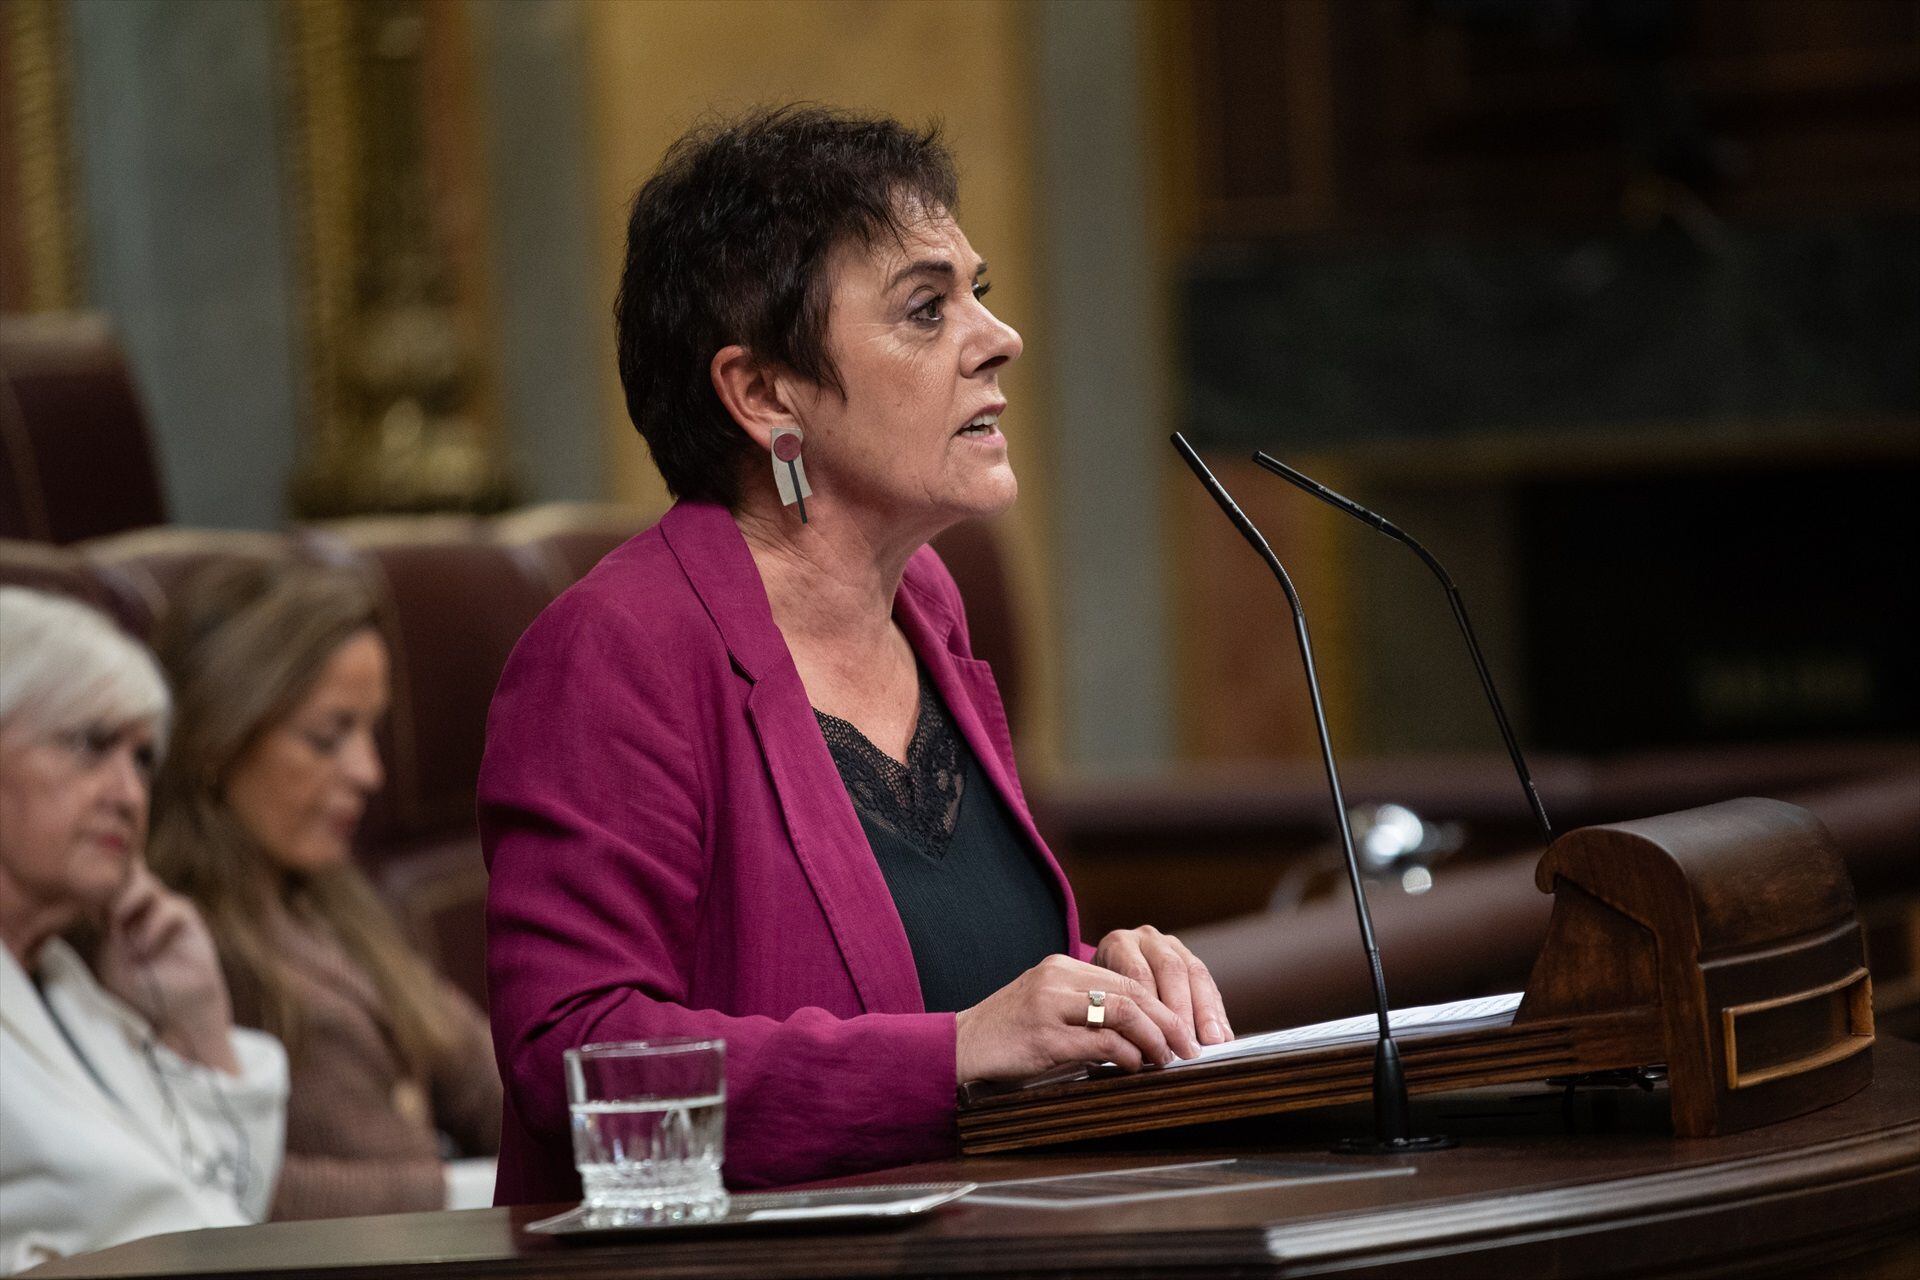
1192,459
1281,469
1205,475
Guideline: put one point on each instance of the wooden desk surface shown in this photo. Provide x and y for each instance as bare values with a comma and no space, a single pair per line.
1525,1194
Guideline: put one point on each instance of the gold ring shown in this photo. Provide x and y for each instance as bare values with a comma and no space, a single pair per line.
1096,1008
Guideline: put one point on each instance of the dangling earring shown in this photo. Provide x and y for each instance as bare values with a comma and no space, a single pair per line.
789,473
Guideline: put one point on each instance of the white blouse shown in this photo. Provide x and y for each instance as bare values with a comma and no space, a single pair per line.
125,1138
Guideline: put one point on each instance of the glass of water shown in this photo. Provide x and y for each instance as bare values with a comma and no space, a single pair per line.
649,1121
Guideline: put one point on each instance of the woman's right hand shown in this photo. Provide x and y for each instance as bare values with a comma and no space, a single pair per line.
158,957
1039,1021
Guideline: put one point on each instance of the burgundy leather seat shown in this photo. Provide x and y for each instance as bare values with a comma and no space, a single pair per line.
454,595
77,458
43,567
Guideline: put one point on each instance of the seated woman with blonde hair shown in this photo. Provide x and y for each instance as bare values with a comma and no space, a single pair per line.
129,1103
281,678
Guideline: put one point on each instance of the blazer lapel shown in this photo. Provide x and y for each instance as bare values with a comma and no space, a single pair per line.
25,1018
832,847
821,823
96,1021
973,698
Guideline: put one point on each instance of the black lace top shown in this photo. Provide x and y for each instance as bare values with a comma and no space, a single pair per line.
978,906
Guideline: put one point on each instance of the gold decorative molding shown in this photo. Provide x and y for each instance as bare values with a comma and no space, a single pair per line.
400,417
322,177
37,59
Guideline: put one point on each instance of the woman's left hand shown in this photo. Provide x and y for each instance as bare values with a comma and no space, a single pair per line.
1162,963
158,957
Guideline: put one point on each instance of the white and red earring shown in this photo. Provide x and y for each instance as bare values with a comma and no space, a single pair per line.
789,473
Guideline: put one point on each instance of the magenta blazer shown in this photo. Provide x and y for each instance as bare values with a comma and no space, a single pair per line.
673,853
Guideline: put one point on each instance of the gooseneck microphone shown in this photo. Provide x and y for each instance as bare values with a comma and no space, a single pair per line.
1390,1109
1340,502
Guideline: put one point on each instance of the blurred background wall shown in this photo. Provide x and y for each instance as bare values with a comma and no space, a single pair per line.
659,68
1612,302
1614,305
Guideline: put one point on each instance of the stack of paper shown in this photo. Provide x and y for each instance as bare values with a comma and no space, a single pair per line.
1460,1015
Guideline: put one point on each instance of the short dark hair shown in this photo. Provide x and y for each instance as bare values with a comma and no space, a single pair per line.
727,243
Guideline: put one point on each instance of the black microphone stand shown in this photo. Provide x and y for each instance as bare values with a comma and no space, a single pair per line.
1308,484
1390,1106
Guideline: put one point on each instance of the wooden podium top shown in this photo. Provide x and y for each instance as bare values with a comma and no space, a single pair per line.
1536,1188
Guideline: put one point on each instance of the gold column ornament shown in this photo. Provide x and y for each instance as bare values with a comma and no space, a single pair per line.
399,385
44,218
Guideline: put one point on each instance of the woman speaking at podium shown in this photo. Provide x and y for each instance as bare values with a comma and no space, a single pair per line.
746,780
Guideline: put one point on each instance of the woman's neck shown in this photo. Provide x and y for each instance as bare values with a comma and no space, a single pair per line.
284,892
26,923
830,582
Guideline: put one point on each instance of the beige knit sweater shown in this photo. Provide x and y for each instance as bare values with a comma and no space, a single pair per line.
362,1135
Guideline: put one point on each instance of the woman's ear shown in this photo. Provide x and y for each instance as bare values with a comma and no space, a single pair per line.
751,392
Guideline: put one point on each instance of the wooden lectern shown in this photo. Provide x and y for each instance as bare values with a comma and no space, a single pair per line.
1720,942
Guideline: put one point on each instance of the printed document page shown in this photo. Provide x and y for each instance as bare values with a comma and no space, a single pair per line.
1461,1015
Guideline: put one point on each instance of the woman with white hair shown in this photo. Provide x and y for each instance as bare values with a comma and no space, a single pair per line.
129,1102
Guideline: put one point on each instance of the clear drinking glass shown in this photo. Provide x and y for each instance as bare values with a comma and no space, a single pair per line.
649,1121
